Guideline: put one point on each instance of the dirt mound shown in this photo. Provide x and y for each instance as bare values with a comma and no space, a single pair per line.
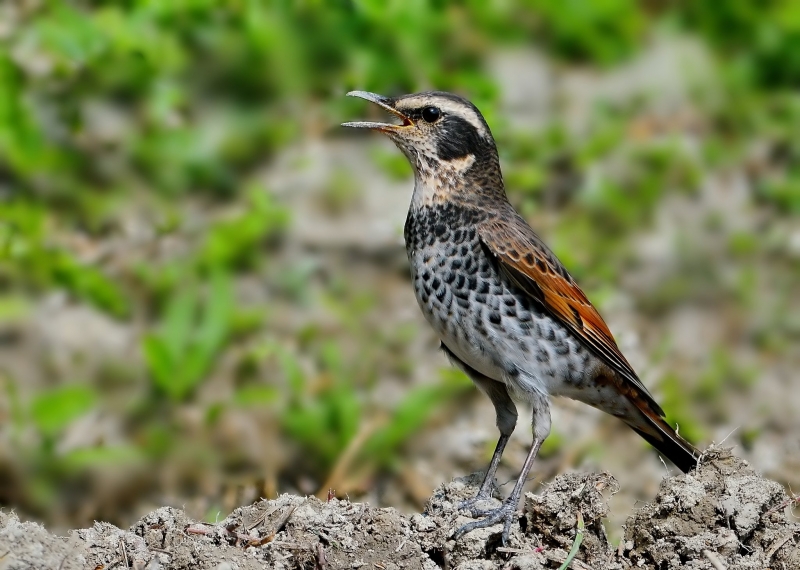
722,516
724,513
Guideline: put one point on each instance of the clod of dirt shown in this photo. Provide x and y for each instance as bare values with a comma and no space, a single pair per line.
547,528
721,516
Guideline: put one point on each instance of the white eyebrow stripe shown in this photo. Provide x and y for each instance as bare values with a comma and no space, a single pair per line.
451,107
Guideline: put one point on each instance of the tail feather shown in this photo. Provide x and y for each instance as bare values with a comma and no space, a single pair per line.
642,413
658,433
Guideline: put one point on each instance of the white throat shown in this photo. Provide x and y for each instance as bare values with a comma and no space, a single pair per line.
435,182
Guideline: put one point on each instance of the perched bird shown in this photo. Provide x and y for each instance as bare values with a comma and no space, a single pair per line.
506,310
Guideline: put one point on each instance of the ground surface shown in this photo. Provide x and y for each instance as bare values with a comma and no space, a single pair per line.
723,515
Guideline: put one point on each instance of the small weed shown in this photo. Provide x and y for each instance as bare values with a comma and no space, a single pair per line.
31,261
236,243
723,373
52,411
743,244
14,308
184,348
784,194
552,445
322,417
409,416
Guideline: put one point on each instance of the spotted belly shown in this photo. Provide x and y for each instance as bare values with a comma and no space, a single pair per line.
493,327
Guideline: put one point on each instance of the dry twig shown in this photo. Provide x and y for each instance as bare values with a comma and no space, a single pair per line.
322,562
714,559
777,545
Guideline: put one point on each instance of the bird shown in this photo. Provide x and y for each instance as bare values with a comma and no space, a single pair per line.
507,311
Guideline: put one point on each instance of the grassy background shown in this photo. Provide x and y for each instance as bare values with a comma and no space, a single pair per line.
163,336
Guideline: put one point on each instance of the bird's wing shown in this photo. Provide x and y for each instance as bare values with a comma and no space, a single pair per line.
536,271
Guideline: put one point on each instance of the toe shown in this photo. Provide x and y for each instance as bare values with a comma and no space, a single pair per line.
506,514
507,529
469,505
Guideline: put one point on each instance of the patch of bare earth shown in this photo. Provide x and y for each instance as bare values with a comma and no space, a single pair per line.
724,515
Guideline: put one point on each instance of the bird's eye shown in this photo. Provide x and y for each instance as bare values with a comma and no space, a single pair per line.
431,114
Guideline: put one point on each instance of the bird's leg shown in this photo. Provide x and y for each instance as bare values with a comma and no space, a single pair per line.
485,491
507,512
506,413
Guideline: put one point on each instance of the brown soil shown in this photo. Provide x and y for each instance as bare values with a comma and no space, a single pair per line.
724,515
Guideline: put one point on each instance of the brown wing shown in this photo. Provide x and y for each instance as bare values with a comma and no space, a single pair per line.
536,271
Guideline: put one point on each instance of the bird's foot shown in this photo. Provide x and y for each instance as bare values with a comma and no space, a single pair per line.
506,513
469,504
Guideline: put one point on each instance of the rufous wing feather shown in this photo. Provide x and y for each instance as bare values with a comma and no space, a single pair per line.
535,270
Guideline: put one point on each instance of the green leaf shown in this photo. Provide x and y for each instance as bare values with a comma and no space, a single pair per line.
217,314
102,457
54,410
179,321
255,395
576,544
411,414
14,308
159,361
294,374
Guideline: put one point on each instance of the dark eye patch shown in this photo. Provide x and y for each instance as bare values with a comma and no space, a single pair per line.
457,138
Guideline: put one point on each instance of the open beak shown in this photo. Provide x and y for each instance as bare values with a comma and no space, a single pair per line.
386,104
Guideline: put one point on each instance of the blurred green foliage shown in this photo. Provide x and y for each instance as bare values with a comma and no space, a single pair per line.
763,38
172,107
180,354
32,261
52,411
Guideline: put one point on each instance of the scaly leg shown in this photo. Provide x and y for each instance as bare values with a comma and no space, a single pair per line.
485,491
507,512
506,413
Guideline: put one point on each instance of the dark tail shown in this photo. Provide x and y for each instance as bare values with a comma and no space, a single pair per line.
658,433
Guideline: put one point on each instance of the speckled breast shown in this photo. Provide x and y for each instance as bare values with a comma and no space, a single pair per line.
478,314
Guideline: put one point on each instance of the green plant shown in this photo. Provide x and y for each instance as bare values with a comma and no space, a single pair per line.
679,415
409,416
236,243
761,36
191,336
53,410
602,31
31,260
325,417
230,244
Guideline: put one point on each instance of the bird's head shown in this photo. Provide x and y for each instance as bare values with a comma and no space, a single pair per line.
444,136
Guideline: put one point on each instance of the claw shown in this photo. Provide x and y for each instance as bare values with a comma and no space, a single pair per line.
469,504
507,514
475,512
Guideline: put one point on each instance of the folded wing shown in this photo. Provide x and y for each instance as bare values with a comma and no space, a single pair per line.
534,269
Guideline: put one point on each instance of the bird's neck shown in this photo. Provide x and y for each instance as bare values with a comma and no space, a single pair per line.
466,180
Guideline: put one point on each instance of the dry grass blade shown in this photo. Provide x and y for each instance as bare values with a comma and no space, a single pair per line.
342,466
